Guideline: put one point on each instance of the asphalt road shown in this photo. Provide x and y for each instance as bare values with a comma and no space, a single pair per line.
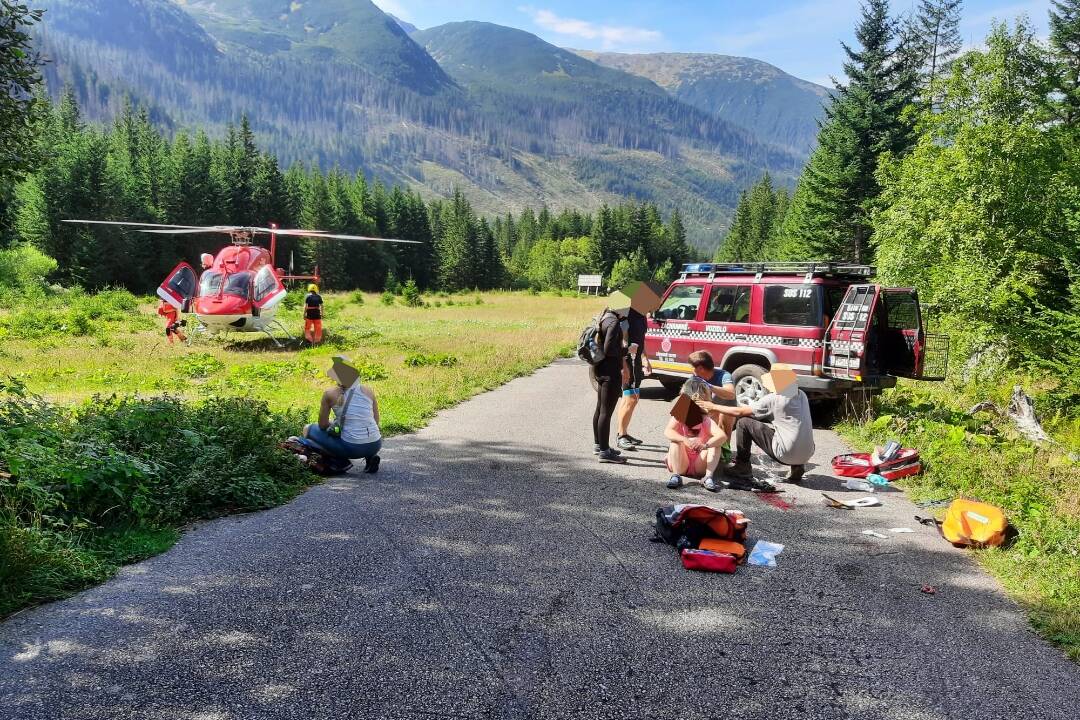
493,570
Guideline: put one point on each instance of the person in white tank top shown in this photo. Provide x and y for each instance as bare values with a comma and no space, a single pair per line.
348,425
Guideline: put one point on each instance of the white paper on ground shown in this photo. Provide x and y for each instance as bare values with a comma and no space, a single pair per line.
872,533
900,530
863,502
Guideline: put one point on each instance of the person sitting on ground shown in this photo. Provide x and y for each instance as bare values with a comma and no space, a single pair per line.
353,431
695,451
721,384
173,323
787,439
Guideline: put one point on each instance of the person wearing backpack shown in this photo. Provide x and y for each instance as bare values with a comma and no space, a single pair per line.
610,372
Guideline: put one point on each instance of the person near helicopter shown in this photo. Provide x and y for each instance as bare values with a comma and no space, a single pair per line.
173,323
348,425
313,313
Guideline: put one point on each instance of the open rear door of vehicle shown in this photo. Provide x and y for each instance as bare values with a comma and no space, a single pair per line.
909,350
268,290
850,334
179,287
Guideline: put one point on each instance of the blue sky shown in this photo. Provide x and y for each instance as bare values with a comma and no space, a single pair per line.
799,36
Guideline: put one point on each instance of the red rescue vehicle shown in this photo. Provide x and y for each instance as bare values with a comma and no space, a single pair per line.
836,329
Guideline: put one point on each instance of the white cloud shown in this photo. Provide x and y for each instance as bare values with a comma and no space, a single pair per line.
610,37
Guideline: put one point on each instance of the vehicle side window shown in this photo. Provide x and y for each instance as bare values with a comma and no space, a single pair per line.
265,283
721,301
741,310
798,305
681,304
902,311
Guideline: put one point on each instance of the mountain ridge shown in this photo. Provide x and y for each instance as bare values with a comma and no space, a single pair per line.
548,128
751,93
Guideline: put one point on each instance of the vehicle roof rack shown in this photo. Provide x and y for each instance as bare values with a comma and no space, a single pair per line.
816,269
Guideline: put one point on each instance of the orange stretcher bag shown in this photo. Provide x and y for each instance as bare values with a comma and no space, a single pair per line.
729,547
970,523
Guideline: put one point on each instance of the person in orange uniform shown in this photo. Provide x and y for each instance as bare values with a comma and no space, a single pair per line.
313,305
173,323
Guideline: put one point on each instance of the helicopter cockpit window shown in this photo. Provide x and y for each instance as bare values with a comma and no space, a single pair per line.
210,283
265,283
239,284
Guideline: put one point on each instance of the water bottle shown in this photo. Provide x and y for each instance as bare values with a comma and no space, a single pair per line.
859,485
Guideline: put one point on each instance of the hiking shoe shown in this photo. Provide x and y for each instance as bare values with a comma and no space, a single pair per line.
596,450
634,440
674,482
740,470
625,443
796,474
611,456
710,484
371,465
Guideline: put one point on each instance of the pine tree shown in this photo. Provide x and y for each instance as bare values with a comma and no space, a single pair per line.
1065,41
733,247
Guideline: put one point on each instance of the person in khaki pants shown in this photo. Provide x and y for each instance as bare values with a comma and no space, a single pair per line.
787,437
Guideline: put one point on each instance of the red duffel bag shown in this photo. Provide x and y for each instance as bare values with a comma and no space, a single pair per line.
858,465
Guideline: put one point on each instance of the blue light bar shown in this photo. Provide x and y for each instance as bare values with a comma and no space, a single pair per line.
698,268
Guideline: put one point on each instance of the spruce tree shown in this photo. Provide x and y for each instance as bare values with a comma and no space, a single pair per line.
829,217
1065,42
936,37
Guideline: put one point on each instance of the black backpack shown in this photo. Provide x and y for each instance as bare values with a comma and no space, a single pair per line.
590,348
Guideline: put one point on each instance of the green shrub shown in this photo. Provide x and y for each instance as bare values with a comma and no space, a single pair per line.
293,300
434,359
73,481
370,370
387,298
198,365
410,293
272,371
357,297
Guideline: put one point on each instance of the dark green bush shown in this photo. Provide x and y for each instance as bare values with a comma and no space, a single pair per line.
70,476
432,359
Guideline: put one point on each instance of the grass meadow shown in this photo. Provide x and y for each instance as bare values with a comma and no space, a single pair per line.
418,359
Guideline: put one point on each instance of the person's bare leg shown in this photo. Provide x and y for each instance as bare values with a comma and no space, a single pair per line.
677,459
626,412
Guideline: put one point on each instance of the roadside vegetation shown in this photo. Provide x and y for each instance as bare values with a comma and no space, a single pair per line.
982,455
111,440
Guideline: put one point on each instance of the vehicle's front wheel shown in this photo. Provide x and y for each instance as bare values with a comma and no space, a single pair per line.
748,387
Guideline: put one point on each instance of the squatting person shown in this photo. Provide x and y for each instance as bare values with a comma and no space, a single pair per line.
348,426
787,438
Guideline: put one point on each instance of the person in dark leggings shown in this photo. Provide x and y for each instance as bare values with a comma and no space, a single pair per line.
610,373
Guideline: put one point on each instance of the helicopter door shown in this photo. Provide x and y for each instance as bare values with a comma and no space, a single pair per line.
267,290
179,287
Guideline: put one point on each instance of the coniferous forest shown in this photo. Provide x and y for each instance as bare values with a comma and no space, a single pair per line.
130,171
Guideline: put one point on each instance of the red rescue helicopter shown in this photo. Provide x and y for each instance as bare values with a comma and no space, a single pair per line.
240,289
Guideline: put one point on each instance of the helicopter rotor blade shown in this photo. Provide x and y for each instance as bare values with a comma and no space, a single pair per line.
191,231
330,236
126,224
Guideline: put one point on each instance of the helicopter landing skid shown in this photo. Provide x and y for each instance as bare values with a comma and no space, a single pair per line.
282,328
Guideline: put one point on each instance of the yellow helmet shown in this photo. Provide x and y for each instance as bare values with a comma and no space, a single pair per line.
313,288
